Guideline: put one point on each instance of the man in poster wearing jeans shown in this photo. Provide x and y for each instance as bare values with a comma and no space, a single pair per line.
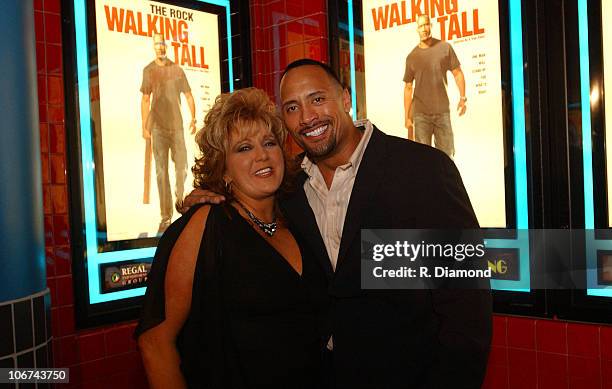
163,124
427,65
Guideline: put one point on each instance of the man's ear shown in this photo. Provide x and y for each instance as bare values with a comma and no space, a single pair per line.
346,100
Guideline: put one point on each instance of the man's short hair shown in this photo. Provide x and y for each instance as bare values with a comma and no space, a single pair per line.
312,62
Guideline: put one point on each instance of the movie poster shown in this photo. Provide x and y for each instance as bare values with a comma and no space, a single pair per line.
180,48
606,14
471,28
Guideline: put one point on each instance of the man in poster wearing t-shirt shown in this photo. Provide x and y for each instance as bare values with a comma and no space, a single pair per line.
427,102
163,124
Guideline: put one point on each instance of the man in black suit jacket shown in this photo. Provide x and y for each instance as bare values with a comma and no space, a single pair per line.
390,338
381,338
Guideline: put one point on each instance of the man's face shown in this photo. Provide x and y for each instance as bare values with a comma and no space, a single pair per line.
159,44
424,27
314,108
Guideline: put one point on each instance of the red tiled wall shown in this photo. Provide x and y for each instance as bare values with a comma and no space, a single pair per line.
281,32
526,353
533,353
101,357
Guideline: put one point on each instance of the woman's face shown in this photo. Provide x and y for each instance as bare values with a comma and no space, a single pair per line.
254,163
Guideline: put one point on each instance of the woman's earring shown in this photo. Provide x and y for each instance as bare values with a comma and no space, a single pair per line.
228,187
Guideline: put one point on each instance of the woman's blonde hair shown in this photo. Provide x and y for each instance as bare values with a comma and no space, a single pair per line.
243,109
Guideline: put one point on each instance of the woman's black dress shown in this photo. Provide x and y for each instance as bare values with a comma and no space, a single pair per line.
254,321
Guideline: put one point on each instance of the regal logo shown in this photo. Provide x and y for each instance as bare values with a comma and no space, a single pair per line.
504,264
124,275
498,267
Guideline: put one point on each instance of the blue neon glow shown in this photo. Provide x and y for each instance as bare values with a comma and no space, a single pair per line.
518,104
230,67
94,259
80,21
351,32
585,97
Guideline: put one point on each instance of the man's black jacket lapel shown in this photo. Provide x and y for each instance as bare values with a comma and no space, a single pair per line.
367,182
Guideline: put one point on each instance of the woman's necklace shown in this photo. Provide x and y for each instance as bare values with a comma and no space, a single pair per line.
268,228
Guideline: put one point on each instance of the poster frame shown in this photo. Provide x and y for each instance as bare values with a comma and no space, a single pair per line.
93,307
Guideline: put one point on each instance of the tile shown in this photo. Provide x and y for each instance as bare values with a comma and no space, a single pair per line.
52,6
552,371
53,28
48,321
41,85
315,26
53,54
57,138
55,90
605,333
44,137
38,313
124,362
314,6
67,351
257,39
606,373
294,8
61,230
500,327
25,360
584,383
274,13
50,261
324,43
498,356
63,264
551,336
583,369
64,290
280,39
44,168
293,53
48,224
22,315
314,49
6,331
7,363
66,320
521,333
583,340
93,370
295,31
58,173
120,340
55,113
91,347
42,112
522,368
256,16
41,63
47,210
52,285
41,355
